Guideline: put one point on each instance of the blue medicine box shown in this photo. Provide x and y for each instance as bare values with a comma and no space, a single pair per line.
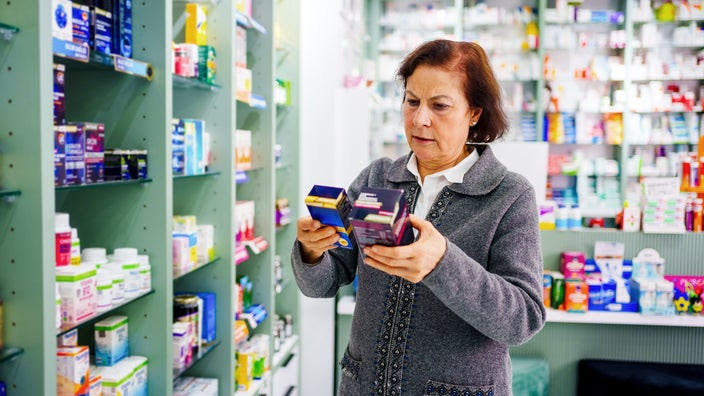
122,28
81,24
209,332
331,207
102,30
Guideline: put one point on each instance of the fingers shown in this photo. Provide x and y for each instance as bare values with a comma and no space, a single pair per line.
308,224
385,253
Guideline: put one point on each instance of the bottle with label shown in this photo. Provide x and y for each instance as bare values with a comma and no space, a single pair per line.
561,218
62,239
574,221
75,247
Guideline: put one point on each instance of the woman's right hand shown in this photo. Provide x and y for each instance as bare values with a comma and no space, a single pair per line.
315,239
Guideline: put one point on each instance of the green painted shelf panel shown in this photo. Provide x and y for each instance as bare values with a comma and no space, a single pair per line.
101,315
8,31
115,63
205,349
10,193
8,354
200,266
104,184
193,83
202,175
285,350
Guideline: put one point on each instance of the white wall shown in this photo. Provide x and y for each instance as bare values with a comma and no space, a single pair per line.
320,77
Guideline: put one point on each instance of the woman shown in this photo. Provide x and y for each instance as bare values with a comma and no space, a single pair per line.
437,317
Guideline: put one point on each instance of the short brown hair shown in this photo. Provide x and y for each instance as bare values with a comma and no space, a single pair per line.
480,86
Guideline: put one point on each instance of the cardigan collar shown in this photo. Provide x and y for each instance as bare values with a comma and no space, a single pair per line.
483,177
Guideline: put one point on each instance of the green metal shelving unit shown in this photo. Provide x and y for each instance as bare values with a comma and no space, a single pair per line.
137,113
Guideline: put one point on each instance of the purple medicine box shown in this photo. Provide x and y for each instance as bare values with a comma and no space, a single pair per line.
95,152
380,217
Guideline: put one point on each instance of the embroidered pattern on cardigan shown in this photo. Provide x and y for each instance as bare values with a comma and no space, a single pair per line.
438,388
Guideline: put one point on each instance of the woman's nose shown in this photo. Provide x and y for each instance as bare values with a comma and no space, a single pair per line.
421,117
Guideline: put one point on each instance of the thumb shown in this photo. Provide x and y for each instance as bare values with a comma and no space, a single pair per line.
418,223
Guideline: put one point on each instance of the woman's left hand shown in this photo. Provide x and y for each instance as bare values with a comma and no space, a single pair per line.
411,262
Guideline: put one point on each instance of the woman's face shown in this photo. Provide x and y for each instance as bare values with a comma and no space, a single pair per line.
437,117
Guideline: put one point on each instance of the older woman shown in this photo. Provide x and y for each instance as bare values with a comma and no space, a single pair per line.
437,317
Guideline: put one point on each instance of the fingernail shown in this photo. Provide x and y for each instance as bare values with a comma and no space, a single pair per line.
374,249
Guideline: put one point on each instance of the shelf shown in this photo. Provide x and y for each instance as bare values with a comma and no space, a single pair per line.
10,195
256,102
204,350
8,354
104,184
248,22
668,22
285,350
254,387
624,318
600,212
192,82
101,315
200,175
693,111
257,245
345,305
7,31
199,266
666,79
575,23
82,54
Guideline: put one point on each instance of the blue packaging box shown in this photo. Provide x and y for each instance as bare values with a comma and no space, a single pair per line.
101,29
379,216
122,27
59,94
178,147
59,156
75,155
81,24
189,132
200,146
331,207
209,332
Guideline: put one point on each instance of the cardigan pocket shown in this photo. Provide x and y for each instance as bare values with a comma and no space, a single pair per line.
349,383
350,366
435,388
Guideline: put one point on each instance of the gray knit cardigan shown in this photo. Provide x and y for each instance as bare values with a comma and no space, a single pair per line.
450,333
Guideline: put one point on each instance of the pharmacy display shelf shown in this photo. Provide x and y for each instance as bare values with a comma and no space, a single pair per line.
677,22
101,315
103,184
8,31
254,387
248,22
694,111
624,318
406,27
193,83
667,79
81,57
285,350
200,175
255,105
198,267
8,354
10,193
600,212
204,351
345,305
585,24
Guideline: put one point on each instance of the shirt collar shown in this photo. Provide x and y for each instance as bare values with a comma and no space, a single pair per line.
452,175
487,174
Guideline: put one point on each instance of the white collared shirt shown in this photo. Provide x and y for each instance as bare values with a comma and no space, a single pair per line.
433,184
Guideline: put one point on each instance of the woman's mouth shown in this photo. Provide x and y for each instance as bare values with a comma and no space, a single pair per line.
422,140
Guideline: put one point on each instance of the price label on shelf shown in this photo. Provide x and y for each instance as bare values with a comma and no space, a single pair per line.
133,67
70,50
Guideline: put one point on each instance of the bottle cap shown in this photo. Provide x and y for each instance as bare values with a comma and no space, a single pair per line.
61,220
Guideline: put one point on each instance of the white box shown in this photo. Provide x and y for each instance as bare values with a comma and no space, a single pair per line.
62,19
191,386
72,370
118,380
78,290
96,384
139,365
69,339
111,341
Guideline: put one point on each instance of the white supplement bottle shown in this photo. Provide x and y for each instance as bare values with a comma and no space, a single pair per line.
128,259
145,273
95,255
104,290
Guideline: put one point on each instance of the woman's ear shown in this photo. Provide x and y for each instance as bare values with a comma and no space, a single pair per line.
475,113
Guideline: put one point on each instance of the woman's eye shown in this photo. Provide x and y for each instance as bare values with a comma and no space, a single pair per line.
440,106
412,102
